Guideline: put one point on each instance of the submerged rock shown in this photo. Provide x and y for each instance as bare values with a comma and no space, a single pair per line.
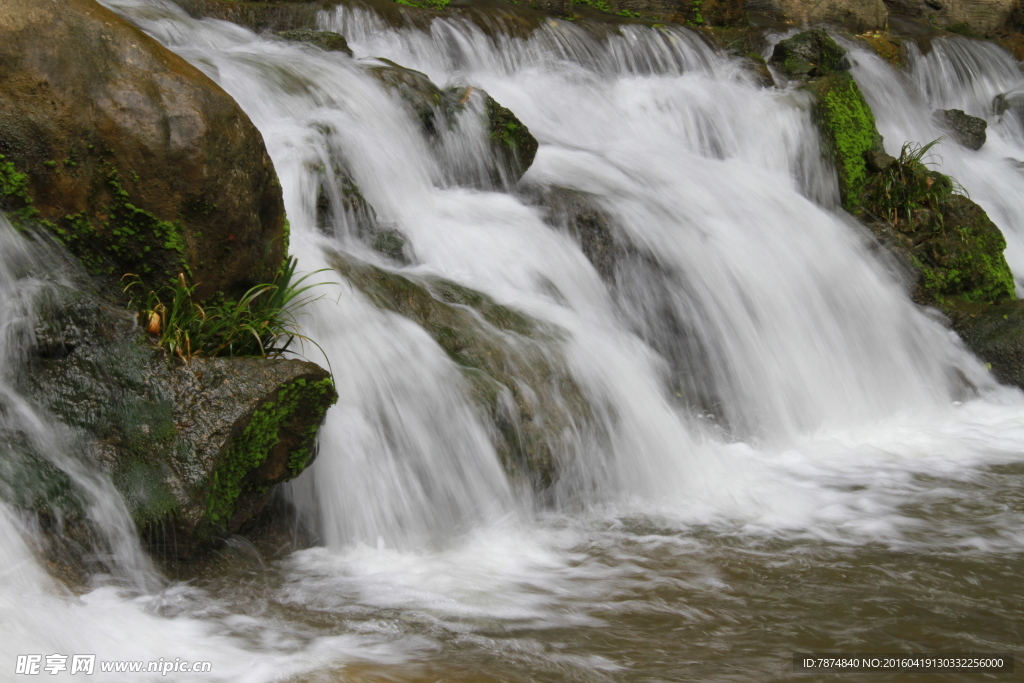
968,130
130,156
511,362
512,147
593,230
325,40
194,449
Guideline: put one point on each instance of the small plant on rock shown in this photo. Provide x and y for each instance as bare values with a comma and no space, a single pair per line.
907,193
259,323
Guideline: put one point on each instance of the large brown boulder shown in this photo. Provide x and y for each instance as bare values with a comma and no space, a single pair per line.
132,157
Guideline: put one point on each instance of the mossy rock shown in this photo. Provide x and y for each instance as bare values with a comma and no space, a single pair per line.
887,46
511,140
996,335
810,54
194,449
134,159
963,257
512,145
847,127
948,240
511,362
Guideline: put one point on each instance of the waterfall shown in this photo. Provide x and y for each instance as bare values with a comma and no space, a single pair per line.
958,73
734,394
36,444
743,301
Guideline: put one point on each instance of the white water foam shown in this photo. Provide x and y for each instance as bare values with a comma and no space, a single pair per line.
838,398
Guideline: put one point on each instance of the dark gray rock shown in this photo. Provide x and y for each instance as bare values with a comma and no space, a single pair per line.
996,335
513,147
968,130
325,40
194,448
810,54
580,216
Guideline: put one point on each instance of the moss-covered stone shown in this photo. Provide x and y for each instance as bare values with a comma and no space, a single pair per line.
810,54
510,139
948,240
131,156
887,46
298,407
847,127
195,448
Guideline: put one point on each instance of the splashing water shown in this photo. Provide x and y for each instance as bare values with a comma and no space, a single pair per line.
760,400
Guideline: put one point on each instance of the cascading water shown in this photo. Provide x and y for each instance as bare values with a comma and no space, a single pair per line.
973,76
742,395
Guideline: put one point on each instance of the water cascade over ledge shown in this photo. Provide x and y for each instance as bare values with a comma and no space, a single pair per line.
739,387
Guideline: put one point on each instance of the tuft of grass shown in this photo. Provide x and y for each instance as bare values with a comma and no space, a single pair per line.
260,323
906,189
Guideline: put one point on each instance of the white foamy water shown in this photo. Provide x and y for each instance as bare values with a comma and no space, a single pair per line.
762,394
958,73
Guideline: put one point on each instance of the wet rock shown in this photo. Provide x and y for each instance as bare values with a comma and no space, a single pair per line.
325,40
511,362
887,46
391,243
129,155
580,216
433,106
877,161
810,54
747,43
194,449
996,335
968,130
512,146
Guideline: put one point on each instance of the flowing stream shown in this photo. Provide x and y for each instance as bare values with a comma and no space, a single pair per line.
764,447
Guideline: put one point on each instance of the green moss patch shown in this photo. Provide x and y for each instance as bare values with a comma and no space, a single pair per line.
297,402
14,195
120,238
847,125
